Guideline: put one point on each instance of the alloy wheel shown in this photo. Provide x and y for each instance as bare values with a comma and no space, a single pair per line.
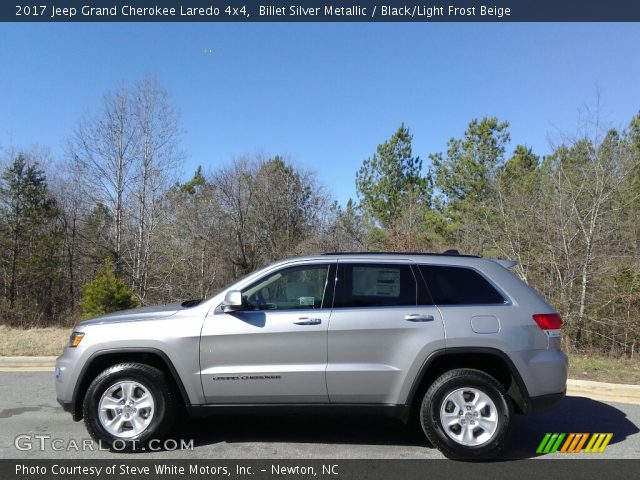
469,417
126,409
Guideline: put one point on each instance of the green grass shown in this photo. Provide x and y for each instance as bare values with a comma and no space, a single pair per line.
604,369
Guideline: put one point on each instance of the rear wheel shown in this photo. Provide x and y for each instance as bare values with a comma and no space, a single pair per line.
466,414
129,404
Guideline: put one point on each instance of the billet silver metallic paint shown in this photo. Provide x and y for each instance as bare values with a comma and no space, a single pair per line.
364,355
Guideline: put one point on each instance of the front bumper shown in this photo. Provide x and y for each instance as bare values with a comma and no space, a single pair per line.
70,407
67,406
66,377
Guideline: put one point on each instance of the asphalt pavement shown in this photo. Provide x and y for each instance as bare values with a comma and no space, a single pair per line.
29,412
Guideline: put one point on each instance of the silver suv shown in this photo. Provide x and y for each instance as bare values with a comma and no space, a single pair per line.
456,342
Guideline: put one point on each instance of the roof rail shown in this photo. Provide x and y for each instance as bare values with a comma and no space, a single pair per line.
446,253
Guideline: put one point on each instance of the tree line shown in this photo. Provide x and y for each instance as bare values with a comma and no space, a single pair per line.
114,212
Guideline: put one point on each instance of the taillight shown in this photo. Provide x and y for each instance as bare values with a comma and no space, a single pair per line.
548,321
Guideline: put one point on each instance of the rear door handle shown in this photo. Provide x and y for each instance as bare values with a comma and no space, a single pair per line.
308,321
416,317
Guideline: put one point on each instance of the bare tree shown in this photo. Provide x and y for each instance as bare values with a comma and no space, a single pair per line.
72,205
156,158
197,257
104,150
270,207
236,195
591,196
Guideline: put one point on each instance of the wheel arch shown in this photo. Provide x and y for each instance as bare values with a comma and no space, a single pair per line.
103,359
489,360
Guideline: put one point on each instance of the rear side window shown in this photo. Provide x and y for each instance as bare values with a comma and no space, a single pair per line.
375,285
459,286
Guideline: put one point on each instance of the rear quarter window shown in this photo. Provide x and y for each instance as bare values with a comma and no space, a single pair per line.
459,286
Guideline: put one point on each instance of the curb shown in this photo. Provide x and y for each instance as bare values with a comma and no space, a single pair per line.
18,363
609,392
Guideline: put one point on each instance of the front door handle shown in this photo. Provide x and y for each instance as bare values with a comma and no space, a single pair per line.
416,317
308,321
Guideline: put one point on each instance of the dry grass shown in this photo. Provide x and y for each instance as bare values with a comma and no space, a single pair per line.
35,342
604,369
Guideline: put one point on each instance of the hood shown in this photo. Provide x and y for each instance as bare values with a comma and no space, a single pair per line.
137,314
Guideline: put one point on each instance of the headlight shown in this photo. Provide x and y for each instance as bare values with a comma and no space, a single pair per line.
75,339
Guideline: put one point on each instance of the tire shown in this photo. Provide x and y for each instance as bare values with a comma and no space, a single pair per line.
454,425
129,404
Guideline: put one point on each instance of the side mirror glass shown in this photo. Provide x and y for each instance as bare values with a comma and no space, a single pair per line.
232,301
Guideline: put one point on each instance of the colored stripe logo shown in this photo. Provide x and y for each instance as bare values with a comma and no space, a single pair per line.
574,442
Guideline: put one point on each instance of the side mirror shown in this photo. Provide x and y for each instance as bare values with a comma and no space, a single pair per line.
232,301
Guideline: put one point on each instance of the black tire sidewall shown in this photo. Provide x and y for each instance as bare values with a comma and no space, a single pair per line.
123,373
430,414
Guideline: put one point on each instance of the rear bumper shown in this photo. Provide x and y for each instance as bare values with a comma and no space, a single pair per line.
543,372
543,403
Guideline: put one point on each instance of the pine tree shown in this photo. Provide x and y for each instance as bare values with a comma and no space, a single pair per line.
464,178
106,293
391,178
27,212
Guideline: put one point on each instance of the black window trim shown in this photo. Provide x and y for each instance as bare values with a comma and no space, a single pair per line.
415,268
507,299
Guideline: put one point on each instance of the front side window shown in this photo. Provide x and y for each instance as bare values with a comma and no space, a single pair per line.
292,288
375,285
459,286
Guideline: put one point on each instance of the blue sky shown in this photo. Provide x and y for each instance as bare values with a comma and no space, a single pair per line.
323,94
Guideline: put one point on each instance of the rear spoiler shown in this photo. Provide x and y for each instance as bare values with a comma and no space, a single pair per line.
505,263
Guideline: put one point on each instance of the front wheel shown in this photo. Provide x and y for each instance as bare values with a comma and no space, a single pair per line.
467,415
129,404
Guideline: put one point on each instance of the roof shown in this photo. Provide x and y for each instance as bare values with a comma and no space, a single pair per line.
449,257
447,253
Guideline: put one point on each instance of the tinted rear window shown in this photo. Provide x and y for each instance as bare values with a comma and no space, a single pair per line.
459,286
